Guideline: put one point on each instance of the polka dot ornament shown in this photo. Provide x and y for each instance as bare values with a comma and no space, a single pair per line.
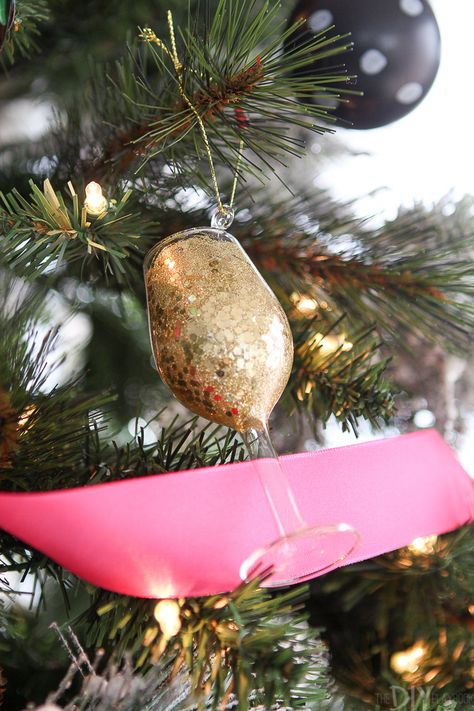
396,55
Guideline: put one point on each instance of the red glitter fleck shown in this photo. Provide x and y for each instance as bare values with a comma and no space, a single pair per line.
209,389
241,117
234,410
217,398
177,331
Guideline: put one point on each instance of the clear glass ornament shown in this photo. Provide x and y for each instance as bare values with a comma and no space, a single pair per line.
223,345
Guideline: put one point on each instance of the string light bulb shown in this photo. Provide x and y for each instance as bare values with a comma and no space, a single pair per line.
221,603
25,416
95,202
168,615
304,304
409,660
307,306
425,545
326,345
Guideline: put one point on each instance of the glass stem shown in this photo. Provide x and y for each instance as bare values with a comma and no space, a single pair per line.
274,481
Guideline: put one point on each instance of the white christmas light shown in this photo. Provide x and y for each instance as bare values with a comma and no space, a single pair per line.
331,343
423,546
167,614
409,660
307,306
95,202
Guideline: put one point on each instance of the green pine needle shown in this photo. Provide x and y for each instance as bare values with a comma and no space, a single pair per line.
334,374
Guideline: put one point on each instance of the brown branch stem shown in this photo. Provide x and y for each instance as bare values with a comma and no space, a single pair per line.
127,147
331,271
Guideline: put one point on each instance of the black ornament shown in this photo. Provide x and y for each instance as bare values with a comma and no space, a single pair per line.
7,18
396,54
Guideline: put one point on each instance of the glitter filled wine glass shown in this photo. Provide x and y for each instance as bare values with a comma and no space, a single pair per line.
223,345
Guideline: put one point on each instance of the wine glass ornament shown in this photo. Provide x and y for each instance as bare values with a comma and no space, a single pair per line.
396,54
223,345
221,340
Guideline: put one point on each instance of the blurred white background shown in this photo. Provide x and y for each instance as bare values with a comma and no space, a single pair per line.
430,152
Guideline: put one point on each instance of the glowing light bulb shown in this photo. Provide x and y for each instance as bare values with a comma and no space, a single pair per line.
221,603
307,306
95,203
304,304
168,615
25,416
331,343
409,660
425,545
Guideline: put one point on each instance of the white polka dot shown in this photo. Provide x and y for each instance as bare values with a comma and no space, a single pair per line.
424,419
320,20
373,61
409,93
411,7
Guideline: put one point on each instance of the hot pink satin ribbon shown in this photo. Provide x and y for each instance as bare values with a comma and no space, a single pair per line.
187,533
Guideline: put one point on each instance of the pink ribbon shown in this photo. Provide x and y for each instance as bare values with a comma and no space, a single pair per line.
187,533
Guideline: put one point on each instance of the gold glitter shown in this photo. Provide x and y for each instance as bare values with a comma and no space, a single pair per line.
221,340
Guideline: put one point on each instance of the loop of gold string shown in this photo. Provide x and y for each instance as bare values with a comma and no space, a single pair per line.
236,174
149,36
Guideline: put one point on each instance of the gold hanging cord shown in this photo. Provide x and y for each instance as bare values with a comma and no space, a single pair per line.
149,36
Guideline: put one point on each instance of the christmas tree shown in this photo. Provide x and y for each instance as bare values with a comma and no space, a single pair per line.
163,118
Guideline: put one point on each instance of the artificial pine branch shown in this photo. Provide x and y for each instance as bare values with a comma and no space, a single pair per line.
414,273
258,643
43,435
238,650
234,62
73,33
391,602
24,35
36,453
345,379
241,650
44,231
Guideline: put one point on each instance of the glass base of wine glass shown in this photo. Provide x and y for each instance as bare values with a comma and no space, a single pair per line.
300,555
